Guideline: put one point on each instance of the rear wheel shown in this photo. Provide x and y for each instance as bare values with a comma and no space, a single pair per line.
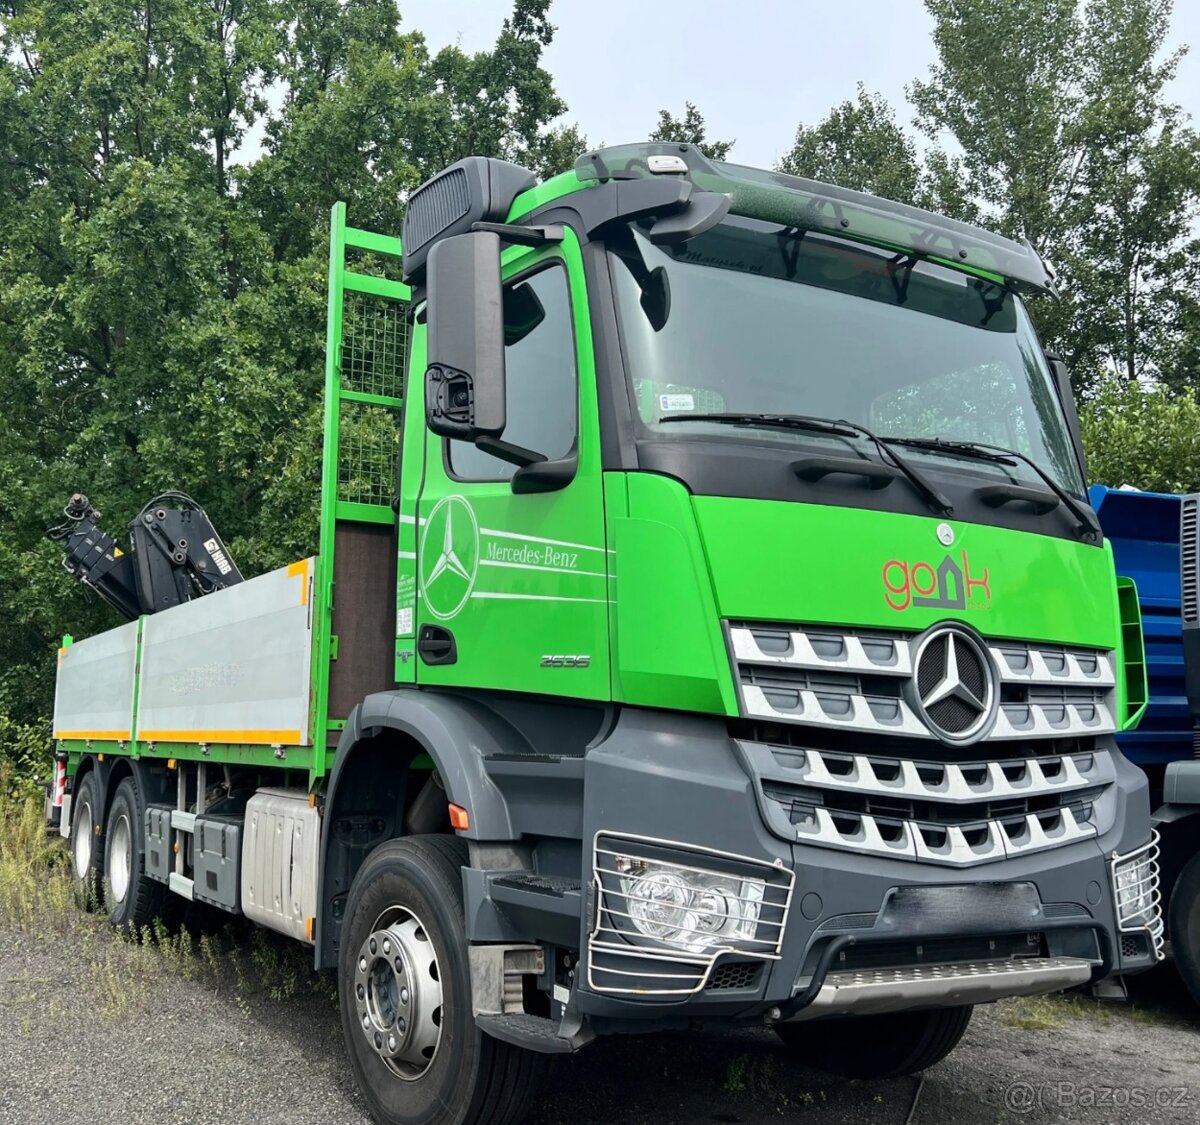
1183,922
405,993
882,1046
132,899
87,842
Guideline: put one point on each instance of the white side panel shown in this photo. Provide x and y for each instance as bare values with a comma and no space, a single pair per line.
93,696
280,851
232,666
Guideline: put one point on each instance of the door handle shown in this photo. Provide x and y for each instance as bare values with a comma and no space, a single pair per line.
436,645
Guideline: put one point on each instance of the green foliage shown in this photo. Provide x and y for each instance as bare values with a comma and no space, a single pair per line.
860,145
689,129
22,757
162,300
1068,139
1145,437
1064,134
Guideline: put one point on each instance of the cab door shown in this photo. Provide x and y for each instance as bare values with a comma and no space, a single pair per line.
513,585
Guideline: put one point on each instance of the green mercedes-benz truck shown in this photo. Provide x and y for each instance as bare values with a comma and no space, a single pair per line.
709,626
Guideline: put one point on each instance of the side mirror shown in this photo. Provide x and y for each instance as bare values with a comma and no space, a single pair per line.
464,374
523,312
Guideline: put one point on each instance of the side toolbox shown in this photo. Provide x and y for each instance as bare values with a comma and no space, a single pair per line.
279,861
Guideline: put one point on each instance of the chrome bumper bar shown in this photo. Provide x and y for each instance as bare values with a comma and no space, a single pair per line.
868,991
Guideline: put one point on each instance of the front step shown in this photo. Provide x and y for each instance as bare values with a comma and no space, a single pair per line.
534,1033
865,991
548,906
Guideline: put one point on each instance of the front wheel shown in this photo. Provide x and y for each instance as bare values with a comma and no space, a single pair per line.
1183,924
882,1046
405,994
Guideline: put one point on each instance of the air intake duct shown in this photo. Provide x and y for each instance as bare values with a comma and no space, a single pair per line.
478,189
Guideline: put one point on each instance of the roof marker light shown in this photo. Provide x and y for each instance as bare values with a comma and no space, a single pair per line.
662,164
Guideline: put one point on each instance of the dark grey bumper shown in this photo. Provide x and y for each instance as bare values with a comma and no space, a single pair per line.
677,777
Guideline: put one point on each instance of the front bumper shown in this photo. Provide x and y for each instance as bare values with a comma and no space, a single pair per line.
863,932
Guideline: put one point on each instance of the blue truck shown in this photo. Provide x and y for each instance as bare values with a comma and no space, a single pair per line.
1154,537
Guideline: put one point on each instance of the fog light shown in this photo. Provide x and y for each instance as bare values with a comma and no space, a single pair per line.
1136,894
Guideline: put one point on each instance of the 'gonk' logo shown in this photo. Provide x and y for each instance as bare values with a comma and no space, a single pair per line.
449,556
953,585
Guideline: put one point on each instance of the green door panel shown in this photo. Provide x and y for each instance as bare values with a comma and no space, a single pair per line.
521,581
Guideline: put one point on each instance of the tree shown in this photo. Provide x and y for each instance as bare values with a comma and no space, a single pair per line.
162,303
690,129
1145,437
1068,140
860,145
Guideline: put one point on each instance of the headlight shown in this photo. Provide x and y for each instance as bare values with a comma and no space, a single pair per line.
690,909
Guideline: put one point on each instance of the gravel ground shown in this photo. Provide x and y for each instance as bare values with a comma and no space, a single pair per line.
94,1030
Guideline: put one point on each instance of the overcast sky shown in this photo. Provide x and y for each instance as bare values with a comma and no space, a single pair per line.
755,68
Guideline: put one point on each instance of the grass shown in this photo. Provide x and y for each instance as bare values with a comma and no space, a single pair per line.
1034,1013
212,949
1049,1013
35,874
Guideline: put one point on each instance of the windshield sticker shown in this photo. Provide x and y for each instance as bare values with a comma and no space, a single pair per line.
951,585
668,403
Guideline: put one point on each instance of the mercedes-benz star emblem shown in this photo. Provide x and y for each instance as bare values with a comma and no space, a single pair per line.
449,556
954,685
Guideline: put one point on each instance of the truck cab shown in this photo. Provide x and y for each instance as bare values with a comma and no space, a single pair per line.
709,625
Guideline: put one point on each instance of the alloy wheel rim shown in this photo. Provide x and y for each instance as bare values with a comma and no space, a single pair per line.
398,993
81,850
119,858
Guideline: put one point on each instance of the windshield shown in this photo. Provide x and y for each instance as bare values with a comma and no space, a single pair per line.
757,318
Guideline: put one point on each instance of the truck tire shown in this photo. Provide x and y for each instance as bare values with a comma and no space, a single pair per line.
405,995
87,843
133,900
1183,924
883,1046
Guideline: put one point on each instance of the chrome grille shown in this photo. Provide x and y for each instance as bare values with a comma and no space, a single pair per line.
952,813
859,679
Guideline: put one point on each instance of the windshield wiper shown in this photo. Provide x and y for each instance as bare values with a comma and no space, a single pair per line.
1000,454
839,427
780,421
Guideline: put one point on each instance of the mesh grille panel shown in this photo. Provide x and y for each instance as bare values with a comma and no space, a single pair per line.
933,667
1188,547
734,974
374,345
952,715
971,673
435,207
369,445
374,358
